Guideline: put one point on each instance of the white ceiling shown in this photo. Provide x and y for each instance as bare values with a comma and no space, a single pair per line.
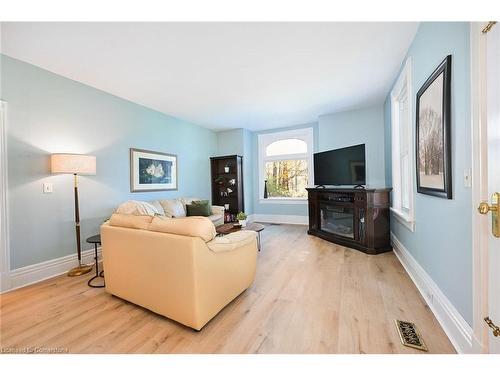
223,75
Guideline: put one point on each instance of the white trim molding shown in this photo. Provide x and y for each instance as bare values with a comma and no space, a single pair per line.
479,159
281,219
4,203
454,325
35,273
402,148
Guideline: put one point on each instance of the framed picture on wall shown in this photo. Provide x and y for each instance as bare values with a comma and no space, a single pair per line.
152,171
433,139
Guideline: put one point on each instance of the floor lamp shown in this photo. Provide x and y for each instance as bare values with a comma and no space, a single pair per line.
75,164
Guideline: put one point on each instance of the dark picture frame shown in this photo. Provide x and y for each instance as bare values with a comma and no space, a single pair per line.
433,133
152,171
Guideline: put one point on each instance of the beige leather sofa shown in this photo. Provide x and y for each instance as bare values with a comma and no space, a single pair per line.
176,267
175,207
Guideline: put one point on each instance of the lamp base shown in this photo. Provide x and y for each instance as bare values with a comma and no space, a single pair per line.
80,270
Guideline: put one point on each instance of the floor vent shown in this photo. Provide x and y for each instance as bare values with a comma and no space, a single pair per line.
410,336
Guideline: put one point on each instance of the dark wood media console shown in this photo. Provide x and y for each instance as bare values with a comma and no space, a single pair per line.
356,218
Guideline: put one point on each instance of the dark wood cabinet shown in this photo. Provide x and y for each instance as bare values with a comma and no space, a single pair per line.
356,218
227,183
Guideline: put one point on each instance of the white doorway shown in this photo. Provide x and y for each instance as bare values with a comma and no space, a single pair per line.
485,67
4,228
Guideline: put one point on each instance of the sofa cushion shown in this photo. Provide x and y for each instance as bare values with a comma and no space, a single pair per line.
195,226
198,208
231,241
132,207
173,207
158,207
131,221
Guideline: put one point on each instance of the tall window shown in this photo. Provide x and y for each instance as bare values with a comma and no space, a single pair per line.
402,148
285,165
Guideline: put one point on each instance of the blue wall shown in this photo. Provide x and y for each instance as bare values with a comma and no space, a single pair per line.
442,241
48,113
349,128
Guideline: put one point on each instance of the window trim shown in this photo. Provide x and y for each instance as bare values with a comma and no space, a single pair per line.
264,140
402,87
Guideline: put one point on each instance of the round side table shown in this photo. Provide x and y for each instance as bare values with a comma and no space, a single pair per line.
96,240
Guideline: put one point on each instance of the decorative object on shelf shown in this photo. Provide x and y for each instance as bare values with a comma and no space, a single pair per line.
226,168
265,189
75,164
433,140
152,171
227,189
242,219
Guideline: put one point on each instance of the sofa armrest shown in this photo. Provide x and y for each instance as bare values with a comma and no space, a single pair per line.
218,210
232,241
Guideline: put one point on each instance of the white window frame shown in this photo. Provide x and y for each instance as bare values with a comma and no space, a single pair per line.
401,92
264,140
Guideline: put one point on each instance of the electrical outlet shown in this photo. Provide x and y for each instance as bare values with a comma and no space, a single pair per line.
47,187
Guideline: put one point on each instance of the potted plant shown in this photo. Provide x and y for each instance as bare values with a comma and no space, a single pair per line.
226,168
242,219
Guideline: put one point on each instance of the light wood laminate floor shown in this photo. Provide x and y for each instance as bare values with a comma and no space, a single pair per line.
309,296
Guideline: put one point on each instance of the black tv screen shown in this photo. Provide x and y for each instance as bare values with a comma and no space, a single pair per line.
343,166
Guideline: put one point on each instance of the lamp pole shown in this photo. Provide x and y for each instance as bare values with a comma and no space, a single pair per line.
82,268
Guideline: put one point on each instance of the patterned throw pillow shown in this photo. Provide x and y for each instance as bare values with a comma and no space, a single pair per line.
198,208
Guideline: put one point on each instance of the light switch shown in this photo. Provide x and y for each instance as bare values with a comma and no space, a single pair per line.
467,178
47,187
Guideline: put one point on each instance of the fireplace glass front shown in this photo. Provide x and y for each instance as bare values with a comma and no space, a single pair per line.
337,219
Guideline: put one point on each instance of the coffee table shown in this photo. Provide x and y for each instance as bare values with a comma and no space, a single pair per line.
230,228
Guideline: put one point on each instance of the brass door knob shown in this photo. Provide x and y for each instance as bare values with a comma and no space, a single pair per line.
484,208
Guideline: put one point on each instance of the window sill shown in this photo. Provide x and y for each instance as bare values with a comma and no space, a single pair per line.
283,201
404,219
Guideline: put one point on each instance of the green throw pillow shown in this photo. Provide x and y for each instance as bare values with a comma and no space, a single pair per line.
198,208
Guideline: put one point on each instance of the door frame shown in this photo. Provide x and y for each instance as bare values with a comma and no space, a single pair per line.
4,203
479,160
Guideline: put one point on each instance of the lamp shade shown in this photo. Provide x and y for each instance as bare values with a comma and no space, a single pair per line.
73,163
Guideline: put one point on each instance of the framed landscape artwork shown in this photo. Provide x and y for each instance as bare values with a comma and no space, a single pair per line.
433,139
152,171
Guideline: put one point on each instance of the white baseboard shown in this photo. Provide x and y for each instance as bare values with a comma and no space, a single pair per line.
456,328
45,270
281,219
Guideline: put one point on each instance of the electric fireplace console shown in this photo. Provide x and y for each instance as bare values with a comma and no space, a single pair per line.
356,218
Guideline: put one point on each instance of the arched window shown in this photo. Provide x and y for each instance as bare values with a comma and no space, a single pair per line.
285,165
286,147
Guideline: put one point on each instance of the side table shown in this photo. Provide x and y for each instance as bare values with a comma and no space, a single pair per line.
96,240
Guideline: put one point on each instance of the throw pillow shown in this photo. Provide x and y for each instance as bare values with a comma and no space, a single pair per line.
198,208
137,208
173,207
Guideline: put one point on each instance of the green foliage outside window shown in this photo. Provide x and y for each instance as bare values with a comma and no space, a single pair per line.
286,178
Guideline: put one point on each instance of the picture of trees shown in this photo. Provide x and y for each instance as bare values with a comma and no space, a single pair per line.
433,133
431,154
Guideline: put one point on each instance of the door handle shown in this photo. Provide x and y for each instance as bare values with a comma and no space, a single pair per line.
484,208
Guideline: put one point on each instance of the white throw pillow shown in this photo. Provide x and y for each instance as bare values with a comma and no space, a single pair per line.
158,207
137,208
173,208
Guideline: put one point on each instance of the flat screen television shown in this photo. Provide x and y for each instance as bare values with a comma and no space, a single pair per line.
343,166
